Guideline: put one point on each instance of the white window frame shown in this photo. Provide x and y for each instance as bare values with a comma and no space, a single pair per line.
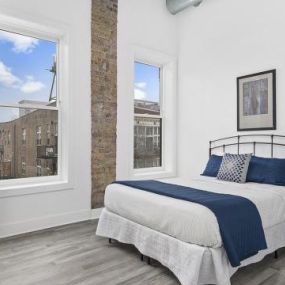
168,78
46,29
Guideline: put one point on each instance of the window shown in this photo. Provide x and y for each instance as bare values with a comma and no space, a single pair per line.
39,135
39,167
147,116
48,134
23,167
9,137
24,133
152,148
28,103
55,129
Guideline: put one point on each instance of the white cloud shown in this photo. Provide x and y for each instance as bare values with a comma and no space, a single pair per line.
32,86
140,90
141,85
7,78
140,94
14,114
20,43
30,77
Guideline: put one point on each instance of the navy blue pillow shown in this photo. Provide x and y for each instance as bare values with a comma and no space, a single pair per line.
266,170
213,166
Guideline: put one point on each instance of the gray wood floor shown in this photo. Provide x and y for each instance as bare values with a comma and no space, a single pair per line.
72,254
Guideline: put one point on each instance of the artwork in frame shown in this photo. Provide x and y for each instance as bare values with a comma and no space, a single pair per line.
256,101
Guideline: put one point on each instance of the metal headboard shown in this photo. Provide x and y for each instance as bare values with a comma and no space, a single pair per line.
258,139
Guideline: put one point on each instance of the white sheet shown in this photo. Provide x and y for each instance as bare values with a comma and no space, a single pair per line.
191,222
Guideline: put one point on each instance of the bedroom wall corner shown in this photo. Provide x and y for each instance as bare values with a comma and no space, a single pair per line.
219,41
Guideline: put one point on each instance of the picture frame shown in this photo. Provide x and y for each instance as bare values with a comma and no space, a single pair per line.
256,101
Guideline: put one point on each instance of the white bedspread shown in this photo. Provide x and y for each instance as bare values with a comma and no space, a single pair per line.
191,222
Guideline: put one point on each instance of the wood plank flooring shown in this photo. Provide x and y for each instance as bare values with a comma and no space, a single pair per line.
72,254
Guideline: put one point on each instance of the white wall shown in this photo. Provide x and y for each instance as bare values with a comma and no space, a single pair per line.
219,41
30,212
146,24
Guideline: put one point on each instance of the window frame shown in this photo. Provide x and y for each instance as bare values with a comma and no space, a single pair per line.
46,29
168,74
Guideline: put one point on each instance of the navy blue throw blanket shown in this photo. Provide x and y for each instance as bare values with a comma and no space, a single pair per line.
238,218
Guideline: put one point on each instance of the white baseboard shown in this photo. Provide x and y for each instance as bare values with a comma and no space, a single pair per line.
95,213
13,229
8,230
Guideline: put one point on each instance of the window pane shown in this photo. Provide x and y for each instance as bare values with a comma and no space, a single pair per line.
28,143
147,143
27,70
147,89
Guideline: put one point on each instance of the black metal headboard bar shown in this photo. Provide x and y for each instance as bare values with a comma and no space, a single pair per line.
238,142
247,135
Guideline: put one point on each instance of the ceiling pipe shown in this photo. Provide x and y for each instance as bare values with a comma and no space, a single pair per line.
176,6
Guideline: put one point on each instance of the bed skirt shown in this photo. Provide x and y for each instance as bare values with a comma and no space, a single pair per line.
190,263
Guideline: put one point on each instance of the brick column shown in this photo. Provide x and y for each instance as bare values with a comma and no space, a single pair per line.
104,96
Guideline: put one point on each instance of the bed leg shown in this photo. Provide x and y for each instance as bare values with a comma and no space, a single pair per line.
148,260
142,257
276,254
110,240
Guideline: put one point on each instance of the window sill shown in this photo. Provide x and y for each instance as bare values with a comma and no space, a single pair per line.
155,174
34,188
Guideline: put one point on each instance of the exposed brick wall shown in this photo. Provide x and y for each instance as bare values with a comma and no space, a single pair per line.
104,96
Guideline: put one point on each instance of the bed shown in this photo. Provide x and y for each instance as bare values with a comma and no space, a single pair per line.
185,236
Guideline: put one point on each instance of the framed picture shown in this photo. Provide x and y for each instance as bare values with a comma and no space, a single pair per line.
256,101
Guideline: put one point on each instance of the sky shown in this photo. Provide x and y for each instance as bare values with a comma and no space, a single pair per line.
146,82
23,70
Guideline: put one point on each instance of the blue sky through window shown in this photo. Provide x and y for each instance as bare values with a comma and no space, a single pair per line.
24,70
146,82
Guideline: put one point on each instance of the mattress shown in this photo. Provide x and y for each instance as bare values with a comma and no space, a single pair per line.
191,222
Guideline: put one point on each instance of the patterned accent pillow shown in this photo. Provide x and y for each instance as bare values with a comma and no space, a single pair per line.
234,167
